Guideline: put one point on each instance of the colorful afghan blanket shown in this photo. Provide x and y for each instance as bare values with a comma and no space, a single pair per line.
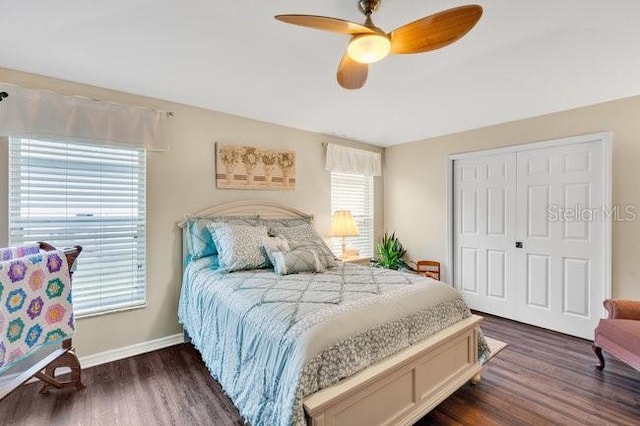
35,302
8,253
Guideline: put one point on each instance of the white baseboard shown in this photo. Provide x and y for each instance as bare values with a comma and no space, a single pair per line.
122,353
132,350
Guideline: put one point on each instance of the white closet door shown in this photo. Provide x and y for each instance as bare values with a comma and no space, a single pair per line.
484,230
560,212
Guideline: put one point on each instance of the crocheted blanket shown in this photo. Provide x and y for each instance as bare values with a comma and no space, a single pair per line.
35,301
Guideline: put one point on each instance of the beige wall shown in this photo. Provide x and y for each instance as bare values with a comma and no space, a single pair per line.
415,179
4,192
181,181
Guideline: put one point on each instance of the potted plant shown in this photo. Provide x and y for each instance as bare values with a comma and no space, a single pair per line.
390,252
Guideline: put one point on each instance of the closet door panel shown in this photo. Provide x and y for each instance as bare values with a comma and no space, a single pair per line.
484,229
560,218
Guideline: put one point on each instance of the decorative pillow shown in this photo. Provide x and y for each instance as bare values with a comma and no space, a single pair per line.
273,244
295,261
284,223
239,246
305,236
215,261
199,240
9,253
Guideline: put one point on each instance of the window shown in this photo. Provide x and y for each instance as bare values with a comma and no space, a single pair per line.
90,195
354,192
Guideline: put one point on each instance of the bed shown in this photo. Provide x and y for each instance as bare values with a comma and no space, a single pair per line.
343,344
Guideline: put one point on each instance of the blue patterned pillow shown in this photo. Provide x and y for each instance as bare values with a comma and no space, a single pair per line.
213,261
240,247
199,240
296,261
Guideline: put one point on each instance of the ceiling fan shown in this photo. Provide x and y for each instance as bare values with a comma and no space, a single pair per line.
370,44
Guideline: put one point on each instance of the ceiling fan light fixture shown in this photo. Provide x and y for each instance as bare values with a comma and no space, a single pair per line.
369,48
370,44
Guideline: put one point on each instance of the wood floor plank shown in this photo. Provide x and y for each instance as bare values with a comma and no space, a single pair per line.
541,378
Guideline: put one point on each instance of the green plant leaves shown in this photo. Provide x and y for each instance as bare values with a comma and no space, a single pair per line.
390,252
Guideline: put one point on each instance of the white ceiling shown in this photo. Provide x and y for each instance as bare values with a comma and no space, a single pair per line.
524,58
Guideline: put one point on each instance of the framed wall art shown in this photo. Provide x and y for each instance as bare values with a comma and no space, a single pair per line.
250,167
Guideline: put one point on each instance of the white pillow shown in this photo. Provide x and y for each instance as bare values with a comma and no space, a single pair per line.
305,236
274,244
295,261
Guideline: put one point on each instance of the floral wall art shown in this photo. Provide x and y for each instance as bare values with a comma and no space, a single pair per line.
250,167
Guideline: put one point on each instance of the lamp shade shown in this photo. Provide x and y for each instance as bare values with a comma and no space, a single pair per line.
369,48
343,225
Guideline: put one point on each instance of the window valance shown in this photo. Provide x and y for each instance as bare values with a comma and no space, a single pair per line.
32,113
351,160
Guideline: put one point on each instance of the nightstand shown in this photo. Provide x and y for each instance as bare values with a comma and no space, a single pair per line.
364,261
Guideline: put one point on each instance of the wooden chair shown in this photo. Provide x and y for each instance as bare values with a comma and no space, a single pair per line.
428,268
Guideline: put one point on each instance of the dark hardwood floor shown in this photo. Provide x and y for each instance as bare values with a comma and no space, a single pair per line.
542,378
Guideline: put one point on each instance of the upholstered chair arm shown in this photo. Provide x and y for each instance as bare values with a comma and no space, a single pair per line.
623,309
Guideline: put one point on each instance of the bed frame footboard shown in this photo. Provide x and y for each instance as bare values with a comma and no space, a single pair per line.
404,387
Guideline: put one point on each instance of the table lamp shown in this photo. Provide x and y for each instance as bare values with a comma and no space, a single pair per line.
343,226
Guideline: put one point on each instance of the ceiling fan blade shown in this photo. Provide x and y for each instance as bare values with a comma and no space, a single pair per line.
435,31
326,24
351,74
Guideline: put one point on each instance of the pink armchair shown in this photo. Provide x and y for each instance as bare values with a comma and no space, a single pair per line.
619,335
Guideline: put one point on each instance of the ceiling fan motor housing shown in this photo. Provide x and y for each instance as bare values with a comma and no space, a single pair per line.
367,7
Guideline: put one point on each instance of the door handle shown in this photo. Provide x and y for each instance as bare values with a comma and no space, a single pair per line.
519,244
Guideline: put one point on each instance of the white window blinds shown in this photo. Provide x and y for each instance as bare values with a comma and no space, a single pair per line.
354,192
89,195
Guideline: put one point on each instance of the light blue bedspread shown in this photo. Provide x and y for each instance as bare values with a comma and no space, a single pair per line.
271,340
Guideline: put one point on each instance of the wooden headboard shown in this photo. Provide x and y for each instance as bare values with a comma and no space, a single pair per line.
263,209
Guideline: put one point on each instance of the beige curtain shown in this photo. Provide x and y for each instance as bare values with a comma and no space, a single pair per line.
350,160
41,114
